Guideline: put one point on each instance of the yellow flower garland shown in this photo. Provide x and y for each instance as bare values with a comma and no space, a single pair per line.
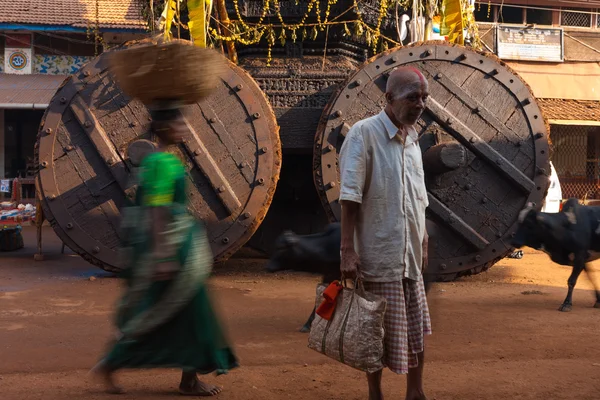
247,33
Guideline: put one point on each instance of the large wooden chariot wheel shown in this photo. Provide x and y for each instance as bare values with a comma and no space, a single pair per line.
92,137
485,145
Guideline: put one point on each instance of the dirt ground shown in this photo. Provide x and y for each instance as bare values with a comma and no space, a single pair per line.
497,335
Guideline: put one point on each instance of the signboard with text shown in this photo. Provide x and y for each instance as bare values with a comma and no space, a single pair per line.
529,44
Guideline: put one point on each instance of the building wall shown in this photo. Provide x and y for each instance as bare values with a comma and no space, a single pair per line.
581,26
63,53
54,64
2,144
576,148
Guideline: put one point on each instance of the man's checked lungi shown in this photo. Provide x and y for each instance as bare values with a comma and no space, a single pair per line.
406,321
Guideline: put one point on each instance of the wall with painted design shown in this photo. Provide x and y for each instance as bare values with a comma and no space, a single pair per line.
54,64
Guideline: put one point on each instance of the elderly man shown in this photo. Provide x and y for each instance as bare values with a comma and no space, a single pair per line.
384,241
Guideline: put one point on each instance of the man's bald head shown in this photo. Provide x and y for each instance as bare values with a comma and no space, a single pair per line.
404,80
406,92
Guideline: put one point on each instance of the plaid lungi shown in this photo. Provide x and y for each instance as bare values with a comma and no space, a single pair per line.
406,321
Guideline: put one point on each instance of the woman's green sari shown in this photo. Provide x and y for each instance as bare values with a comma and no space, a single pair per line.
170,323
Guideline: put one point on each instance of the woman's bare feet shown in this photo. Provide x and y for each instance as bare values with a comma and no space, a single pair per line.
104,374
192,386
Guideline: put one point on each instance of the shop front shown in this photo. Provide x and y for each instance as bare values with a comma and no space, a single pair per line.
569,95
575,135
23,100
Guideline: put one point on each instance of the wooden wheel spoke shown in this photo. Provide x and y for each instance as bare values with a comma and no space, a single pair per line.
473,142
204,161
457,224
101,142
474,105
227,139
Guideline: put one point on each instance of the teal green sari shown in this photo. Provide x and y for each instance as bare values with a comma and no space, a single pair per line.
167,324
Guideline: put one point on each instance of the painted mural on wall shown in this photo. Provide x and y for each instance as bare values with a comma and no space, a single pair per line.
54,65
59,65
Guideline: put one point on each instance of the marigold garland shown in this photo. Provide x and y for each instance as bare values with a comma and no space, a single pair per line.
249,33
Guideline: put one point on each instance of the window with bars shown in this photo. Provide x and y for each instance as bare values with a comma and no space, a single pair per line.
576,158
576,17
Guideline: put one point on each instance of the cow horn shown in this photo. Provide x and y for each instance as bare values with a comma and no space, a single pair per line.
523,213
289,237
571,217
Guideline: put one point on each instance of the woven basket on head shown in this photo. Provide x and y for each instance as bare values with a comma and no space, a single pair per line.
154,71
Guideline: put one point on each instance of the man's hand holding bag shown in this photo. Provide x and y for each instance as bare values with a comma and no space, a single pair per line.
353,334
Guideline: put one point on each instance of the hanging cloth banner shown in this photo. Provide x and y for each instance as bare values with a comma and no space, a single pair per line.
197,11
170,8
453,23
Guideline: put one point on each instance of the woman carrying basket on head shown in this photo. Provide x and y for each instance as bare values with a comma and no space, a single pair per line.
165,318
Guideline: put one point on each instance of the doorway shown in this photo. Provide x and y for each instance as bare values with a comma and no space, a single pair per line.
20,134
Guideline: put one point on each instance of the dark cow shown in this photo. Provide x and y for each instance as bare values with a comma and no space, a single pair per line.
570,237
317,253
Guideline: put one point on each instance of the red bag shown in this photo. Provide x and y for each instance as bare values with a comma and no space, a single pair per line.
327,307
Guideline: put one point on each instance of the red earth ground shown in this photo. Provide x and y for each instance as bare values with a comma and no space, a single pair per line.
497,335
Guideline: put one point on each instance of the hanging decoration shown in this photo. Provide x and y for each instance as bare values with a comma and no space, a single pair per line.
171,8
248,33
453,21
198,11
383,6
471,26
432,19
95,30
458,22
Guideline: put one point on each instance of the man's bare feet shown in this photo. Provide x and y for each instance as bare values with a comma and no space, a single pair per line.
196,387
375,395
374,379
416,396
105,375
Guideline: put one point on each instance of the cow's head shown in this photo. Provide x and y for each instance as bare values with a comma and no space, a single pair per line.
530,230
286,249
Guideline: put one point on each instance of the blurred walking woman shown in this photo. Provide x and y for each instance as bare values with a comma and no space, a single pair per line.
165,318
